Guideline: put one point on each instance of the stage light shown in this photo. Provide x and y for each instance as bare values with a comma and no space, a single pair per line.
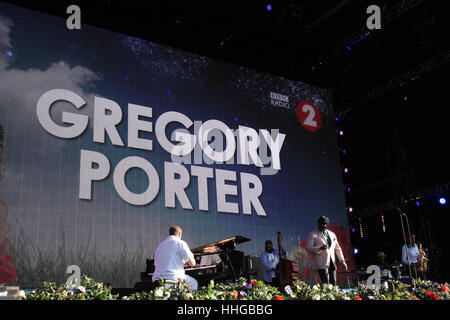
343,151
269,7
341,133
442,200
348,189
417,203
350,209
336,118
355,251
345,170
9,53
349,48
353,229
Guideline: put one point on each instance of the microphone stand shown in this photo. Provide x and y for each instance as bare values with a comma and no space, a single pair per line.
404,239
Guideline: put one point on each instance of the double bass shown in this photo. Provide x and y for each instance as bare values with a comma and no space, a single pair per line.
287,270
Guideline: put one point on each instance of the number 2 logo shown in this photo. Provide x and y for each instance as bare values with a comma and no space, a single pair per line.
308,115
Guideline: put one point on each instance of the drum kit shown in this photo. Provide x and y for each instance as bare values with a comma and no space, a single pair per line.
396,271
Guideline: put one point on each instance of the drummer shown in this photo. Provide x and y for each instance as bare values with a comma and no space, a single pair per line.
384,268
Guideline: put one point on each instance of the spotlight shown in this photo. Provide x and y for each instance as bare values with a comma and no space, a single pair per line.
417,203
353,229
9,53
442,200
350,209
355,251
341,133
345,170
269,7
336,118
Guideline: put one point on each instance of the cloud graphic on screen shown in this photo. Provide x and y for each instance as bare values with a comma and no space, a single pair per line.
20,89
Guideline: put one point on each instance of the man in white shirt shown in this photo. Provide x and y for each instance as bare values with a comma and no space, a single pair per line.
410,256
171,256
269,260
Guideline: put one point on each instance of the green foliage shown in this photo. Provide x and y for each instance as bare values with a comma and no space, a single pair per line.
428,290
244,289
88,290
301,291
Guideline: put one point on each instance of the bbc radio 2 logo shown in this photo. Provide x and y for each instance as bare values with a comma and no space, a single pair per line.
279,100
308,115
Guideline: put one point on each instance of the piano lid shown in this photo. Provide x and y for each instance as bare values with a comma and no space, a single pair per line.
229,242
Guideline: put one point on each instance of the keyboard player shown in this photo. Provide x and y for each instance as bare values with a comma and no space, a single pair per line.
170,257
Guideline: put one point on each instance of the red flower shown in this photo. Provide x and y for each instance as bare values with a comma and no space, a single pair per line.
254,282
443,288
278,298
410,293
235,294
7,271
435,296
429,293
358,298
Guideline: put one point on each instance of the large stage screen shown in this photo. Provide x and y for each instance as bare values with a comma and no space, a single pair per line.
108,140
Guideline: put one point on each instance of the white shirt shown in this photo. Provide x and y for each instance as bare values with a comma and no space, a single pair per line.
269,261
412,252
274,261
170,257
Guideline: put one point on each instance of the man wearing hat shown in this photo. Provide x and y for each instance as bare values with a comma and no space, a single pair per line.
323,245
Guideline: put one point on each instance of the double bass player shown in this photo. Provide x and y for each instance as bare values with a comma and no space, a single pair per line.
269,260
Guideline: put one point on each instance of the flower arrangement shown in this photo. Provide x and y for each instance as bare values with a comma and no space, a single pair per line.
245,289
429,290
88,290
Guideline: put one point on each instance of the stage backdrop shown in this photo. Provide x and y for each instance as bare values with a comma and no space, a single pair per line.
91,123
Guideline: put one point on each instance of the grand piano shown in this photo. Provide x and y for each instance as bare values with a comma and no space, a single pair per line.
231,264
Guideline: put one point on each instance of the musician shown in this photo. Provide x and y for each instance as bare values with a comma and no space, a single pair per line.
170,257
323,245
410,256
384,268
269,260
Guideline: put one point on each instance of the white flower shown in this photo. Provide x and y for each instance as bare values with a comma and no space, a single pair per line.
124,298
82,289
315,287
316,297
159,292
288,290
22,294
